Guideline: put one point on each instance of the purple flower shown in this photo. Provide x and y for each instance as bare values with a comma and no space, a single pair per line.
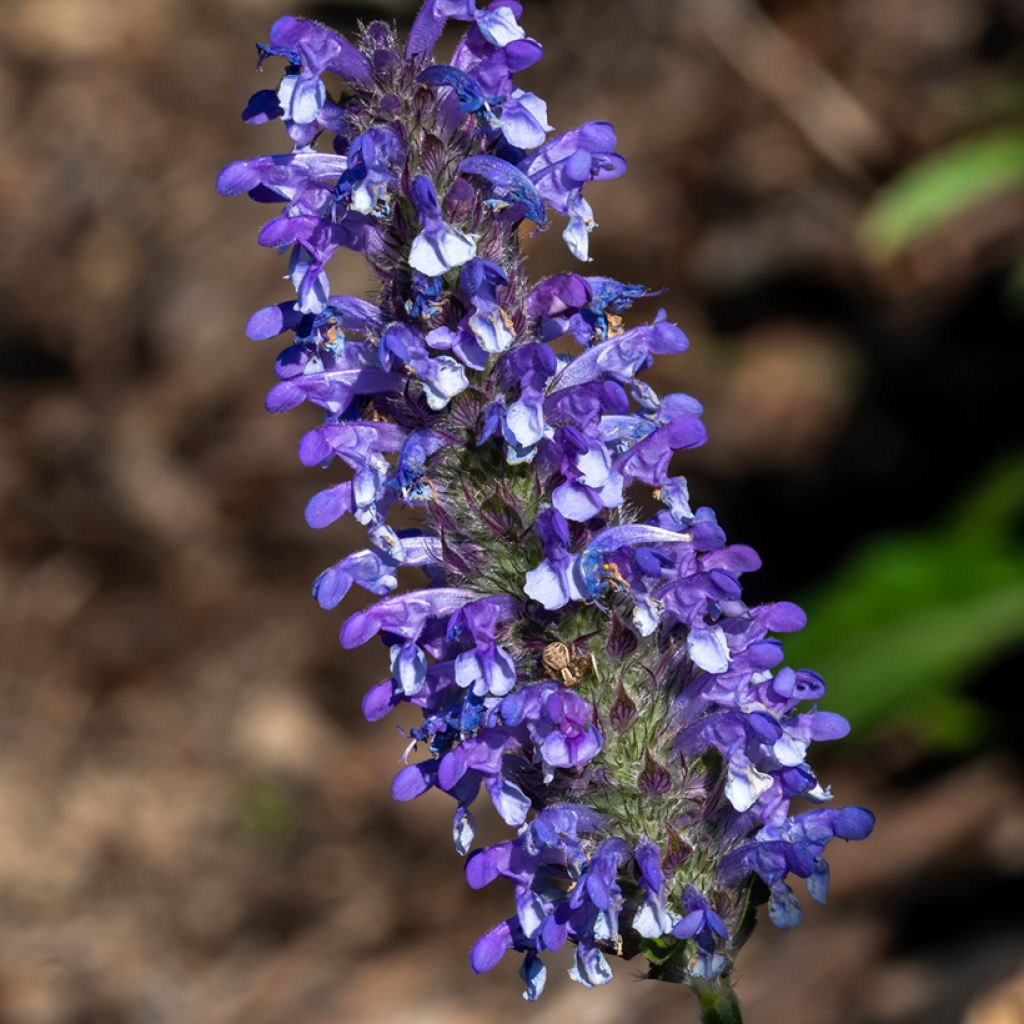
490,948
430,22
591,483
404,616
318,49
439,247
651,919
334,390
486,669
488,322
563,166
442,377
521,117
597,681
701,923
370,176
310,49
513,189
566,732
524,120
469,94
588,308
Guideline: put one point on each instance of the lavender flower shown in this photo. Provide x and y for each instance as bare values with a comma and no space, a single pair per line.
600,677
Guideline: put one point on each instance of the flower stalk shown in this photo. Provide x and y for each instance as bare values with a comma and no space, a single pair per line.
718,1003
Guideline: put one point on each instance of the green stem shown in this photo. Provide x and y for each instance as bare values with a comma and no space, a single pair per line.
718,1003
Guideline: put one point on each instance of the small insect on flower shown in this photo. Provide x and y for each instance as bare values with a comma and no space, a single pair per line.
330,333
613,578
564,662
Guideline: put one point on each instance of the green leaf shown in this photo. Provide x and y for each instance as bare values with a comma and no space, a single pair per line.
659,950
904,624
940,187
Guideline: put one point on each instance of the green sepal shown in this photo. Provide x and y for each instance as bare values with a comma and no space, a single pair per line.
659,950
718,1002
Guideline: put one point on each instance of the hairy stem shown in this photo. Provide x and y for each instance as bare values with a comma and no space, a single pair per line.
718,1003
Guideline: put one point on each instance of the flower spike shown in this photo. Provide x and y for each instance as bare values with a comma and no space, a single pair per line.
597,679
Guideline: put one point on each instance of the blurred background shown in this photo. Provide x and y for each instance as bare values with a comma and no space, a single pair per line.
195,822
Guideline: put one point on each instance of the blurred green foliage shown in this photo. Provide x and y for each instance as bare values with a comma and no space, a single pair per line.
940,187
266,811
1015,287
899,630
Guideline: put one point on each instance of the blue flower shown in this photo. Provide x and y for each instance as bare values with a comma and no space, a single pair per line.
651,920
513,188
439,247
370,177
487,321
599,679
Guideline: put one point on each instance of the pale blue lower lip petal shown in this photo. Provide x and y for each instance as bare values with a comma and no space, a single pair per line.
544,584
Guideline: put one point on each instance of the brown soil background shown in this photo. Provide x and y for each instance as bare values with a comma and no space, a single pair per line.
195,823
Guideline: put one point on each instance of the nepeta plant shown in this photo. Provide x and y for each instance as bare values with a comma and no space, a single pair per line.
595,672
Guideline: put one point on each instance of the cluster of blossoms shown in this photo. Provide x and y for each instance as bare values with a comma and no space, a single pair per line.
597,674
